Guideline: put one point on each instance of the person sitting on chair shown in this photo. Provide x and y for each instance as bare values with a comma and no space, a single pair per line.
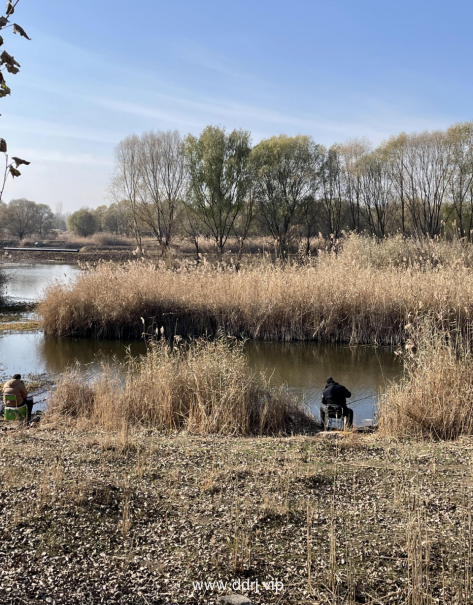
336,394
15,386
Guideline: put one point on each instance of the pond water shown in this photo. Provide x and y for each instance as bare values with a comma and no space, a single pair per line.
365,371
26,281
303,367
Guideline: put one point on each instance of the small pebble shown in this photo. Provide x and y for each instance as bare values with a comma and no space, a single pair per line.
234,599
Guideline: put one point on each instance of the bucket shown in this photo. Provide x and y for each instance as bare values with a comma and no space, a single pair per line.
15,413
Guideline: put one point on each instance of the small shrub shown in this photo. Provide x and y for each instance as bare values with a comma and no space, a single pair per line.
102,240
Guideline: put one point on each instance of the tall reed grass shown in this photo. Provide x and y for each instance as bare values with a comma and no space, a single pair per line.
340,297
202,387
419,254
434,399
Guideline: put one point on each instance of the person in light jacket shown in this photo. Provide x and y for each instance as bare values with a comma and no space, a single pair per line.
15,386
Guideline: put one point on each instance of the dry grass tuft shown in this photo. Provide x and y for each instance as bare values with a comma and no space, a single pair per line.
203,387
435,398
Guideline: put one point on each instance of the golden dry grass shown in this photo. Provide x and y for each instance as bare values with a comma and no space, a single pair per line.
363,520
434,400
203,387
350,297
419,254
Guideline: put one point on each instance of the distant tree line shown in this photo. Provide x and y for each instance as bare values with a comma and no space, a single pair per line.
116,219
219,185
21,218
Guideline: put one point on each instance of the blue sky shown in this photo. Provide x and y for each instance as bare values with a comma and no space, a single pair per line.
96,71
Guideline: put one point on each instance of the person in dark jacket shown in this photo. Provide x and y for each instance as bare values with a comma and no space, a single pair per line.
336,394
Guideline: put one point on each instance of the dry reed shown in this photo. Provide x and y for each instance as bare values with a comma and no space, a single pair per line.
343,297
434,400
419,254
203,387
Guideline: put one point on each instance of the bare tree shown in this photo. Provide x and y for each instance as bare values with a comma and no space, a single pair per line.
44,220
126,181
427,170
420,171
163,181
192,226
243,223
332,192
394,155
416,182
351,153
60,218
311,205
376,193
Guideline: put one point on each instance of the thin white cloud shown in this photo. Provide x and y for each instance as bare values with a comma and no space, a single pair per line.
371,117
119,98
378,122
34,126
208,59
144,111
40,156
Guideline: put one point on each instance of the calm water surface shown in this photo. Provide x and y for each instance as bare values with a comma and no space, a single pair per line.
365,371
28,280
302,366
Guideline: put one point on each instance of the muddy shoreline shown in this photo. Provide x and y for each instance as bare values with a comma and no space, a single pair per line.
92,256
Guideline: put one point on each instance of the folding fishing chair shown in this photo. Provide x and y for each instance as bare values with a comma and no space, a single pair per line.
334,413
12,412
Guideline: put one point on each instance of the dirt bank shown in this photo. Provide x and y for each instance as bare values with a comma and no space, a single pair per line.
144,518
88,256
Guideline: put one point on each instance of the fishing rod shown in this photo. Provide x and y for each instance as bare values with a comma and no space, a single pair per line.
361,399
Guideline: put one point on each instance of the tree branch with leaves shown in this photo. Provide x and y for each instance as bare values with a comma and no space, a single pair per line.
9,64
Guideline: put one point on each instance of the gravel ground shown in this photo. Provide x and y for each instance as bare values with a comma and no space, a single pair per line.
142,518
